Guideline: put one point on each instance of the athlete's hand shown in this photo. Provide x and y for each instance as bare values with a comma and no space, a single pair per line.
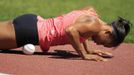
102,53
94,58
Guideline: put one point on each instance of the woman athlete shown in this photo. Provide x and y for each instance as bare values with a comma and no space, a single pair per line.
73,28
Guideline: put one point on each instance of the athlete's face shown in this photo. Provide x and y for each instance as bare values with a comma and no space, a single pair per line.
103,38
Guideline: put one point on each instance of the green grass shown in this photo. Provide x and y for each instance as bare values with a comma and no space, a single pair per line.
107,9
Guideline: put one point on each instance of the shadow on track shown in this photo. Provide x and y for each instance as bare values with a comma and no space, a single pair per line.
57,54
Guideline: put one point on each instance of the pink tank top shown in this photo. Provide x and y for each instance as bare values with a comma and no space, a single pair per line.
52,31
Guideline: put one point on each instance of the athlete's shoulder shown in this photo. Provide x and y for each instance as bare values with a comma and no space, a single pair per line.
86,19
87,8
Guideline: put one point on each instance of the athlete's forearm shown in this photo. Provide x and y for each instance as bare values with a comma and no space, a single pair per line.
86,44
87,48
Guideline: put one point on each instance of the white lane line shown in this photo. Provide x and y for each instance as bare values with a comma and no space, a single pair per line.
4,74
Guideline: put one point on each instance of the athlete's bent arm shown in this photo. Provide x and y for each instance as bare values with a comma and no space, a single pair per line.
74,36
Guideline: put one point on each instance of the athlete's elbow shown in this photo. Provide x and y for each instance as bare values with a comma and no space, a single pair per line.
70,30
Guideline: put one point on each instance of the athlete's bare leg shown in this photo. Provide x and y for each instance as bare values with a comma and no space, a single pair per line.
7,35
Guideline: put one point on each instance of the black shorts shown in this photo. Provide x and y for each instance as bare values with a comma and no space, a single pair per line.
26,29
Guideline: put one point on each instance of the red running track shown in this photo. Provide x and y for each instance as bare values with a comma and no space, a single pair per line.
16,63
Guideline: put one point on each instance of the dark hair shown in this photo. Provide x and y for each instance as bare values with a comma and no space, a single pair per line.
121,28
